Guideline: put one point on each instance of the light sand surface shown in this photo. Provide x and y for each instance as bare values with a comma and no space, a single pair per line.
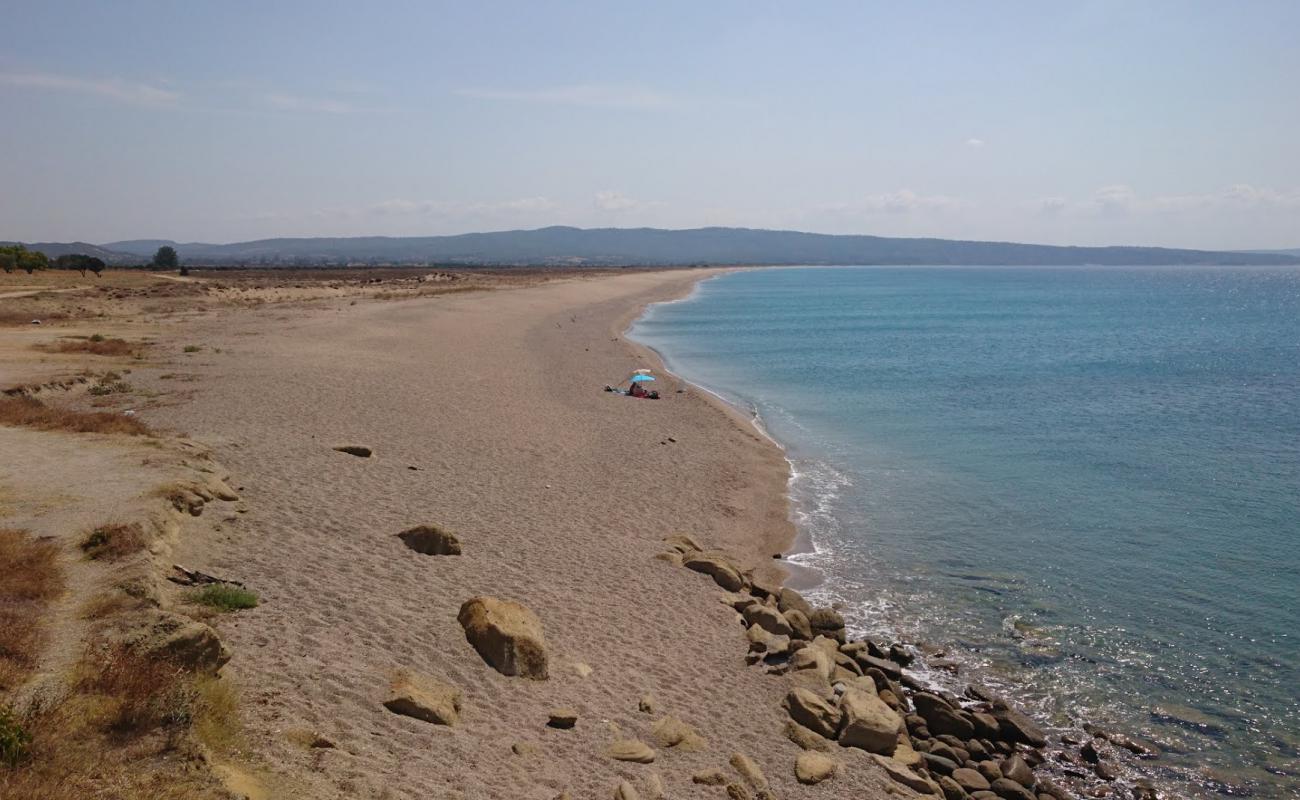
561,494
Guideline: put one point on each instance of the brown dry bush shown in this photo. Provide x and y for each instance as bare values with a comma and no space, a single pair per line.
30,577
113,541
97,346
32,413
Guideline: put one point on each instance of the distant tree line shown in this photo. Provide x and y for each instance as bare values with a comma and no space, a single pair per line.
18,257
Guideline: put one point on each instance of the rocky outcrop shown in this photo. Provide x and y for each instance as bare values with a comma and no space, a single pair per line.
506,634
632,750
813,712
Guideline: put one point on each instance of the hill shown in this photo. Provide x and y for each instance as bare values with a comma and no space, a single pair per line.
653,246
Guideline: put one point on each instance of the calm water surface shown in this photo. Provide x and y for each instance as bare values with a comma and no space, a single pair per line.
1083,482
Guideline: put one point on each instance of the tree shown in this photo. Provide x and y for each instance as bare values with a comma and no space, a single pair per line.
166,258
9,257
80,263
32,260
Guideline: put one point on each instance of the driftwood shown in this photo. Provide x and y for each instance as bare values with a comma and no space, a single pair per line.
192,577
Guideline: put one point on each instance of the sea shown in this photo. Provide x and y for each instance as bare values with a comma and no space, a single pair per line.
1082,484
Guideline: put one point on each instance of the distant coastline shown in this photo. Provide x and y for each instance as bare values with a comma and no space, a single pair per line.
632,247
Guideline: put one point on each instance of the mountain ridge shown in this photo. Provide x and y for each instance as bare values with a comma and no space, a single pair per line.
569,246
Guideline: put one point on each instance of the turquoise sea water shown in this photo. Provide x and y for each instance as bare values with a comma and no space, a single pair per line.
1083,483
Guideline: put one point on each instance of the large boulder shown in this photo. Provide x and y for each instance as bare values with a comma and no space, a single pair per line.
941,718
813,712
970,780
1017,728
424,698
812,768
1008,789
1015,768
799,625
767,618
672,732
788,598
868,723
763,643
431,540
905,776
718,567
506,634
813,658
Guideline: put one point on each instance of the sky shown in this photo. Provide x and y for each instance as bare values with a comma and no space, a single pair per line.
1158,123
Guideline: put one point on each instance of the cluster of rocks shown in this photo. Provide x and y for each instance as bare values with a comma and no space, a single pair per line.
858,694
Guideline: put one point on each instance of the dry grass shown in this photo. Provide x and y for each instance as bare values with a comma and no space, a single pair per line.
29,412
30,578
97,346
113,541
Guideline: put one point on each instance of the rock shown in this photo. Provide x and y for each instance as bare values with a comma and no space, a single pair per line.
905,776
1008,789
424,698
764,643
1134,746
357,450
748,770
737,791
989,770
868,723
673,558
799,625
986,725
582,670
738,600
951,789
767,618
646,705
806,739
632,750
712,777
888,668
813,658
562,718
431,541
1015,768
945,664
683,543
811,711
825,619
626,791
506,634
939,764
654,786
899,654
787,599
723,572
524,749
812,768
1016,727
941,718
970,780
905,754
1051,789
177,639
672,732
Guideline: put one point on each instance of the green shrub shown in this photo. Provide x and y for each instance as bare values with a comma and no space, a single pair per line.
13,739
99,337
225,597
192,348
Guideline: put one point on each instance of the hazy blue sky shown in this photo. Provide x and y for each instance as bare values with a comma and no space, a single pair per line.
1085,122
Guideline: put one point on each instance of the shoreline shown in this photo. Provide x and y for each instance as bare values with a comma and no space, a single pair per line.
796,541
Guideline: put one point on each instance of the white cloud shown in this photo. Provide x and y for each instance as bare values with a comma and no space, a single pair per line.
975,142
614,201
1115,199
1121,199
110,88
905,201
627,98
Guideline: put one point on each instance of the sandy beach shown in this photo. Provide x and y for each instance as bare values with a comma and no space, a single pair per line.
487,416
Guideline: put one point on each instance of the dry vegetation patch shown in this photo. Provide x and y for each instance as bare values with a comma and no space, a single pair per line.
30,579
97,346
113,541
29,412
